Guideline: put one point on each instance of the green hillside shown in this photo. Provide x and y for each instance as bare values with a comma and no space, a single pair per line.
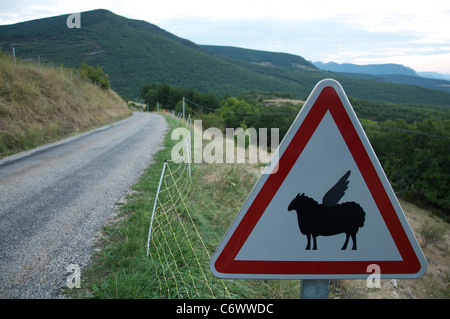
296,70
263,58
134,53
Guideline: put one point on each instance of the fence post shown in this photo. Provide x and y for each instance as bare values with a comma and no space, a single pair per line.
188,155
14,55
183,107
154,206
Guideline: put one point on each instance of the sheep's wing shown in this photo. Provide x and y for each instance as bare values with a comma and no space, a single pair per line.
333,196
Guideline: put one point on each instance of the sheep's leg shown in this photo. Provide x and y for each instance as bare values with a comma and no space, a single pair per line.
354,241
308,246
315,243
347,236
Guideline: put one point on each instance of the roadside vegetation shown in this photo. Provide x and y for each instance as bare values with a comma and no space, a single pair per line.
41,104
121,269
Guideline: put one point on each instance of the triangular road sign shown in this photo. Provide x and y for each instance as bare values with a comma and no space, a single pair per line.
326,211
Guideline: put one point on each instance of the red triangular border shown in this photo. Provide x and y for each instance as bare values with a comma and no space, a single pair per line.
327,100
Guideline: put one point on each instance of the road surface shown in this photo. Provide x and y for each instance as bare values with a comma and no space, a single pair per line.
55,198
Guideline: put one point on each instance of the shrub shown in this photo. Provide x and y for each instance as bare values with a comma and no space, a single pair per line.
431,234
95,75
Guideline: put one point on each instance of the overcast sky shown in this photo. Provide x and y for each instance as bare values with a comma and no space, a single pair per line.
409,32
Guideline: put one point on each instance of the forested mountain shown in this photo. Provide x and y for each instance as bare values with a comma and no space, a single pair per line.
134,53
263,58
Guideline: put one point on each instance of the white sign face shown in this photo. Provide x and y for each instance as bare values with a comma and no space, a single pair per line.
328,212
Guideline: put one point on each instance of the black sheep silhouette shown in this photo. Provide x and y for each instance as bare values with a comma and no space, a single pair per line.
329,218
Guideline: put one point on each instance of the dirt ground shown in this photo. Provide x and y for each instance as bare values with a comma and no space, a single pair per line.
435,284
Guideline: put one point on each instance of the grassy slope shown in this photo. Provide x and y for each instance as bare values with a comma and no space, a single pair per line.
42,105
120,268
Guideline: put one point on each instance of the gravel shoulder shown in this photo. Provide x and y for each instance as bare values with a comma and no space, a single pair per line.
55,198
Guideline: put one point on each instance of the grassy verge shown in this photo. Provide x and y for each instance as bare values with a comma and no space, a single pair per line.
120,267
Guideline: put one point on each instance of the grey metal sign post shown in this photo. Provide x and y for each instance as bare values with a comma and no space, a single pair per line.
314,289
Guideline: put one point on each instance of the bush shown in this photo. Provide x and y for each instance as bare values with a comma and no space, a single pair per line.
431,234
95,75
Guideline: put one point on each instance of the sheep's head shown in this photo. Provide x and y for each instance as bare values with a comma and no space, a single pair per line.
295,201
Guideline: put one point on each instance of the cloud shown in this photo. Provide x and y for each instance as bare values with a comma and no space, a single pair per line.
308,37
342,38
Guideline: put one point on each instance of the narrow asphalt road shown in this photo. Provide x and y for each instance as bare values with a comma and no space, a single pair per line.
55,198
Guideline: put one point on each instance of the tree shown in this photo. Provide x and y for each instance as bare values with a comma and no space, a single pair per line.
150,94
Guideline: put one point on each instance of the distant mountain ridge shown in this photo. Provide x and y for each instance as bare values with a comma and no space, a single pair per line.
390,72
134,53
375,69
378,69
434,75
